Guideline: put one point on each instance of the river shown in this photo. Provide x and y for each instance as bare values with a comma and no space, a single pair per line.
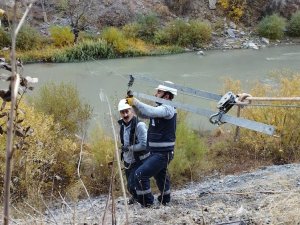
189,69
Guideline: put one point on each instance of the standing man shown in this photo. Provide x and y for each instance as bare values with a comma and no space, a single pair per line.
160,143
133,135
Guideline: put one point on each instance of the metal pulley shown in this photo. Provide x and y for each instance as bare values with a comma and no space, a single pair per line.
224,105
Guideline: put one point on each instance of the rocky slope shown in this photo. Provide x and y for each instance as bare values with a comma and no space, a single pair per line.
120,12
270,195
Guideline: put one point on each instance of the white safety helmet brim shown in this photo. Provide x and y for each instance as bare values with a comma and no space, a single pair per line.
166,88
123,105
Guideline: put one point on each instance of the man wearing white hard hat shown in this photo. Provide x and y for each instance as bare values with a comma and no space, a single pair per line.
160,143
133,135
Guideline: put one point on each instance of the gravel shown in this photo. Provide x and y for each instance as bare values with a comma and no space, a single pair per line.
270,195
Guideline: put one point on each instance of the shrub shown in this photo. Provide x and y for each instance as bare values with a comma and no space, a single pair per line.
199,33
61,36
95,167
148,25
63,103
28,38
189,152
194,33
272,27
176,32
86,50
131,30
4,38
85,36
116,38
47,164
233,8
284,148
294,25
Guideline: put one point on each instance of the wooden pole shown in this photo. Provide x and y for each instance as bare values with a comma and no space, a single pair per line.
272,98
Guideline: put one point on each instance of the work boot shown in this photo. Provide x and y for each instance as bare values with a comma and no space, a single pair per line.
165,199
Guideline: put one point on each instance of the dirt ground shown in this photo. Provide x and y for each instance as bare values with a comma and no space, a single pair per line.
270,195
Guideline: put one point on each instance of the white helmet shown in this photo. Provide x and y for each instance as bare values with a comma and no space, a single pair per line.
123,105
166,88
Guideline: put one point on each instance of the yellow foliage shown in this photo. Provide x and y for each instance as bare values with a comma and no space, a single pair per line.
48,162
224,3
234,8
138,45
115,37
61,36
285,146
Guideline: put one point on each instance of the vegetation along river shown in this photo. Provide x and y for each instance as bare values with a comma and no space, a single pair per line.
190,69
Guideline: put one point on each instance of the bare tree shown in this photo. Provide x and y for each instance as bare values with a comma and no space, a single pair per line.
80,13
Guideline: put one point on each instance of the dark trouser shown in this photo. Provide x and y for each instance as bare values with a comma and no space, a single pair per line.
129,172
154,166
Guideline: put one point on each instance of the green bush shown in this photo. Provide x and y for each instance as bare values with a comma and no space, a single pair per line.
61,36
28,39
200,33
272,27
293,27
62,101
176,32
131,30
148,25
188,154
179,32
86,50
4,38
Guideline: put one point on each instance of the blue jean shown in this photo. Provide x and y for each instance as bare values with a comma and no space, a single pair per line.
129,172
154,166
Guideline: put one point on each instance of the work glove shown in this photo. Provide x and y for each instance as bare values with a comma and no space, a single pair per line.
124,148
130,101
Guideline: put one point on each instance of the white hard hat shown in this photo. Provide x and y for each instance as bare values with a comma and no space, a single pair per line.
166,88
123,105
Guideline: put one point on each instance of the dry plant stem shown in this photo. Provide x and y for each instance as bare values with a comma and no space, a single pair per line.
41,214
78,168
113,211
78,171
64,201
118,161
48,209
109,194
27,214
15,82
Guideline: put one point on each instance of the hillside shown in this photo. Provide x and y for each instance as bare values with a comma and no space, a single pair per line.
119,12
269,195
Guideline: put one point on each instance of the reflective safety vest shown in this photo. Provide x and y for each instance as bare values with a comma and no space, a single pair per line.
133,139
161,134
